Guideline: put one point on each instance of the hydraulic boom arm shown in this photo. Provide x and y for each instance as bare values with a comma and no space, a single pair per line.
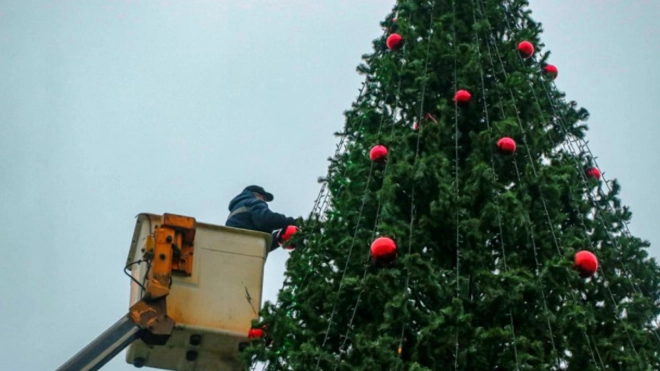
168,250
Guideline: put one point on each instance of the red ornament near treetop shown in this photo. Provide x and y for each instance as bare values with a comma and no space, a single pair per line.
526,49
586,263
506,145
593,173
462,97
378,153
383,249
551,71
394,41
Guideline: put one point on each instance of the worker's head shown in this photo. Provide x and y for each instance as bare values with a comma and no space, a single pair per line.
260,193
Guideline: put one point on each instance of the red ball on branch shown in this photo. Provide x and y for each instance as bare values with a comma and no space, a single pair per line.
551,71
394,42
593,173
462,97
526,49
378,153
506,145
255,333
286,235
586,263
383,250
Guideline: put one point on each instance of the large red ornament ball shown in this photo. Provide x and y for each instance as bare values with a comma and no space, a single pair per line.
383,249
506,145
551,71
394,41
586,263
287,234
526,49
593,173
378,153
462,97
255,333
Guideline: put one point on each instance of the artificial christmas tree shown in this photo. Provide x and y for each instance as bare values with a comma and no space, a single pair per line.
485,274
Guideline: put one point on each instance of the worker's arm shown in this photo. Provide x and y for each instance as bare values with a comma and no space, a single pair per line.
268,221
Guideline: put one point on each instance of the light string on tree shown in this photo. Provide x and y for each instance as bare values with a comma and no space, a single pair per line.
319,206
412,193
456,178
322,200
561,121
492,165
528,227
325,202
327,332
548,216
528,218
376,222
535,173
341,282
326,199
598,215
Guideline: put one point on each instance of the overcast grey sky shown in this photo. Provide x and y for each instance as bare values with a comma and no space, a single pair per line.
112,108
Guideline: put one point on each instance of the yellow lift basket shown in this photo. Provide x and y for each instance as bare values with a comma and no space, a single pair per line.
213,306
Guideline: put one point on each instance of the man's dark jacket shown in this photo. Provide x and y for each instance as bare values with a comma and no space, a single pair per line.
258,218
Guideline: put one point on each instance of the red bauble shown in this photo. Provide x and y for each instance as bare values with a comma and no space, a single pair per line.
506,145
586,263
462,97
526,49
394,41
255,333
383,249
593,173
551,71
378,153
289,232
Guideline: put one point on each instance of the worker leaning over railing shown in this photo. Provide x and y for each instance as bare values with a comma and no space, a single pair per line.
249,210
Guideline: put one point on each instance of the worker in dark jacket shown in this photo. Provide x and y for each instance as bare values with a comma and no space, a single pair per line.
249,210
